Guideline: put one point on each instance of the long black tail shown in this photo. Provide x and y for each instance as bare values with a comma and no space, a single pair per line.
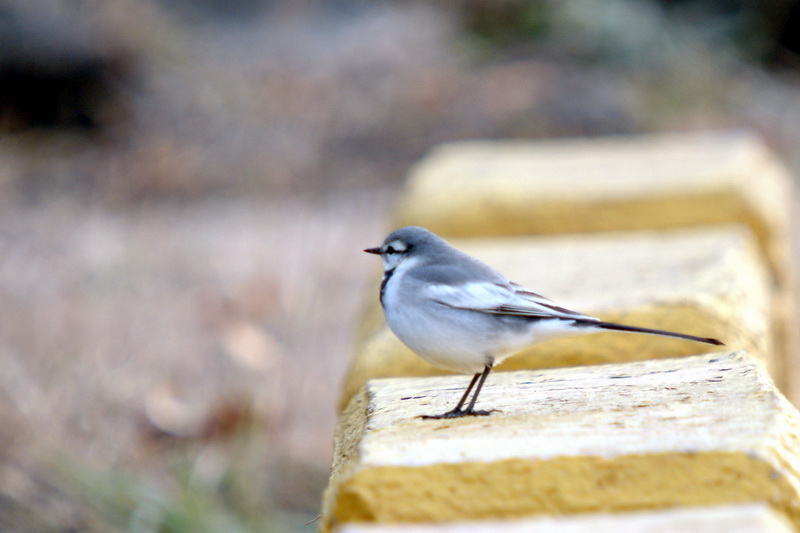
633,329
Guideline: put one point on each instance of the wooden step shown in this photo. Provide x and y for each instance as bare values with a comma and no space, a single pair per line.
659,181
705,430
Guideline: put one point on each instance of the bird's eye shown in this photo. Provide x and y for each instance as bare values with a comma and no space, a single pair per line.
390,250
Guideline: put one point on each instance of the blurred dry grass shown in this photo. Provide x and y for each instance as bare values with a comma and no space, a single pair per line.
179,285
127,335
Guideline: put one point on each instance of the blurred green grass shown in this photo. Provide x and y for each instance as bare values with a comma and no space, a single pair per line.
205,490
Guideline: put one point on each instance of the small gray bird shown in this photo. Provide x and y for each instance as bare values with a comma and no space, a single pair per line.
461,315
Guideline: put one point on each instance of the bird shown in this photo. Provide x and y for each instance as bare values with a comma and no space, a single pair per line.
461,315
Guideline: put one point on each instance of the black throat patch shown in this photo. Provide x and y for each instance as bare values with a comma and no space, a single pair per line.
387,275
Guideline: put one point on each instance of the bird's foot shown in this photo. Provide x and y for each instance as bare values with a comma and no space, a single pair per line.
458,413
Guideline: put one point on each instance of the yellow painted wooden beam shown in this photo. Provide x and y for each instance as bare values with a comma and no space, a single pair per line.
659,181
683,432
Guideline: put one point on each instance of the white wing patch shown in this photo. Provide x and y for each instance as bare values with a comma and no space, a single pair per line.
497,299
475,296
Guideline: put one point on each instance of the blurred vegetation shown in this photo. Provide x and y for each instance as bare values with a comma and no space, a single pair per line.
184,98
202,491
634,34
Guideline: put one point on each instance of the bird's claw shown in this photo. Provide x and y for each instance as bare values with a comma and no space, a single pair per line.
458,413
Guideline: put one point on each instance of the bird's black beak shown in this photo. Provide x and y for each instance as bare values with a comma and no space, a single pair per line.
376,251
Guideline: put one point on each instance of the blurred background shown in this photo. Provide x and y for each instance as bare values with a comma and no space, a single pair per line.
186,187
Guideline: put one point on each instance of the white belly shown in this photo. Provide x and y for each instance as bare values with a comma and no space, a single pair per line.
455,339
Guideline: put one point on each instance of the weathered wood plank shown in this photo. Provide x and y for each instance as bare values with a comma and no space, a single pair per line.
703,430
506,187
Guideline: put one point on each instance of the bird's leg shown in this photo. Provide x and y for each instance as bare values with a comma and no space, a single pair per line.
470,410
463,399
457,409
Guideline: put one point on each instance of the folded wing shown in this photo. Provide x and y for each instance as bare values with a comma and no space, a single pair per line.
500,299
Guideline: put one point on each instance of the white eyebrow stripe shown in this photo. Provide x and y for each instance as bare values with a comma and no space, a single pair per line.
398,245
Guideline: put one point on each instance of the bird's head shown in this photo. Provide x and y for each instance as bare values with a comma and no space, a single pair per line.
405,243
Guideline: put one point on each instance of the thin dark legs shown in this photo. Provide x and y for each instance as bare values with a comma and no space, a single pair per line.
480,378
